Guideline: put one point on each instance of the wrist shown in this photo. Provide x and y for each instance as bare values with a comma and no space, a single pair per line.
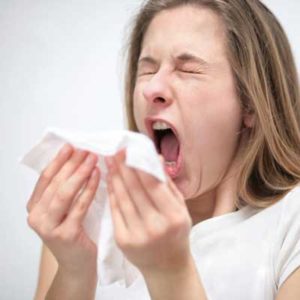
73,286
78,276
176,284
181,266
181,270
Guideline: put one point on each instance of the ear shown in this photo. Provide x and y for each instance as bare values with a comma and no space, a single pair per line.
249,118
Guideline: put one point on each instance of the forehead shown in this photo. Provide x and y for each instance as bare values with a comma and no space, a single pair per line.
186,28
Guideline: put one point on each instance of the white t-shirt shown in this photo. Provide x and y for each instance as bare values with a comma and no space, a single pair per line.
246,254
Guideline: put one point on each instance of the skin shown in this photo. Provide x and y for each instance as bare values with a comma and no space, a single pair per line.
200,100
152,220
145,222
56,210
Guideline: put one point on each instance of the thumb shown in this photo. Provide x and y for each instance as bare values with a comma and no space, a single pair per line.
161,158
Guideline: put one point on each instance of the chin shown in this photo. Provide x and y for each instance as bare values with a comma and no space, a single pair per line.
184,187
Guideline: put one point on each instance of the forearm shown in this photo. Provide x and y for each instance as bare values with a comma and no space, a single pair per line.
183,284
68,287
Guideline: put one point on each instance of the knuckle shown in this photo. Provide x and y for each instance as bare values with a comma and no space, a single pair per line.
60,236
141,241
79,156
123,242
137,240
155,232
46,175
151,183
89,189
55,207
132,182
46,235
83,171
56,181
63,193
81,206
156,227
44,232
66,237
126,206
56,235
69,234
32,221
177,222
29,206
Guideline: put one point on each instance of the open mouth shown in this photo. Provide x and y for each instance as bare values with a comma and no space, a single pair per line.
168,145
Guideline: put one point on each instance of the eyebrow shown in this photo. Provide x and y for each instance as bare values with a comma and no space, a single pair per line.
183,58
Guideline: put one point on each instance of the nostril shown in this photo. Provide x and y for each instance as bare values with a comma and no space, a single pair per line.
159,99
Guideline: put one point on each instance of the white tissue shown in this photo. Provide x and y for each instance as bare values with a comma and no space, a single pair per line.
140,153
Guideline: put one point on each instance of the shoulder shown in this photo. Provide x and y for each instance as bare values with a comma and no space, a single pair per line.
283,212
287,243
290,214
292,201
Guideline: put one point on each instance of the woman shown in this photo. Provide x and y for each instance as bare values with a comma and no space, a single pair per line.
221,75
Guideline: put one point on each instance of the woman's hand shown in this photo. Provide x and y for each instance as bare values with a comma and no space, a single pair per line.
59,204
151,221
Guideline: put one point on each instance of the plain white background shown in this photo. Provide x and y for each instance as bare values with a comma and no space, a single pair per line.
61,65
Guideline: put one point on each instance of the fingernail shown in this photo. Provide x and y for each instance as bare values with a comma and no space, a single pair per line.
108,177
90,159
120,155
94,173
109,162
108,184
66,148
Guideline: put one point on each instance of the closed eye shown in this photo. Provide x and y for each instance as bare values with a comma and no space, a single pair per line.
182,71
149,73
190,72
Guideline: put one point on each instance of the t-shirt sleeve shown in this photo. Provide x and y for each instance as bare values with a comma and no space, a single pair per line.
288,238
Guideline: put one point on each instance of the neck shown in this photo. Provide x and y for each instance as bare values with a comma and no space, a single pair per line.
202,207
216,202
221,199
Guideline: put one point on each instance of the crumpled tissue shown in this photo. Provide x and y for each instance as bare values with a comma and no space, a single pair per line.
112,265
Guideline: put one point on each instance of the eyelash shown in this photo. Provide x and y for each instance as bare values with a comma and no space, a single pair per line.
188,72
191,72
141,74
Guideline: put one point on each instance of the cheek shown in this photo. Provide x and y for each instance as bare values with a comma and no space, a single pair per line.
214,121
138,108
215,106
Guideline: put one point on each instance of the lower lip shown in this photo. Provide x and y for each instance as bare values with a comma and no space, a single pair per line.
174,172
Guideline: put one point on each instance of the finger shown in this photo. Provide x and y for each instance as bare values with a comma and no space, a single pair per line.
79,193
84,200
48,174
59,179
160,193
120,226
128,209
63,198
136,191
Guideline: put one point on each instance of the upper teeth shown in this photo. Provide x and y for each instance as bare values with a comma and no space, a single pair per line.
158,125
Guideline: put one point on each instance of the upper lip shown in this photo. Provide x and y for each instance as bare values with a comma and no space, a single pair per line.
149,123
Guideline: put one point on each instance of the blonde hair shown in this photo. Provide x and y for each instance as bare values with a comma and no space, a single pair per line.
267,85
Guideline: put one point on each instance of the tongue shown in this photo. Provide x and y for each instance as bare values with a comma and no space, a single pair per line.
169,147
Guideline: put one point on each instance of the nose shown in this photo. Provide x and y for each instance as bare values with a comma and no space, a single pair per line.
158,90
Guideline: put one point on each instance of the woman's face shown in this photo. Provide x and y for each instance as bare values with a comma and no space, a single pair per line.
196,95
